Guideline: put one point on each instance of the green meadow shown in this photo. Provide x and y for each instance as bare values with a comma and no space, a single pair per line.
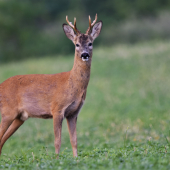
124,123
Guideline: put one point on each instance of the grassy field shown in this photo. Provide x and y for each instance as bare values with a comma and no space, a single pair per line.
124,123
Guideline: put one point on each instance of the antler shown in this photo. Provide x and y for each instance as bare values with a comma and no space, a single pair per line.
91,25
73,26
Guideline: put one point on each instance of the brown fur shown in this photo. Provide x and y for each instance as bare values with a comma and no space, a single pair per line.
56,96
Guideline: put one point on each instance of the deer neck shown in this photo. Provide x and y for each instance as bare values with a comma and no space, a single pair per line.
80,73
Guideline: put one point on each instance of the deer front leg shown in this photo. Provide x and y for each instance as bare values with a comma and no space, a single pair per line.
57,120
71,122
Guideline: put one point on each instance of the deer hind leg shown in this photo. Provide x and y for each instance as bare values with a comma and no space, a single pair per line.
71,123
12,128
5,123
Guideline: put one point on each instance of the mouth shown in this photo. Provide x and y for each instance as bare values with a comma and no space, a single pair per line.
85,56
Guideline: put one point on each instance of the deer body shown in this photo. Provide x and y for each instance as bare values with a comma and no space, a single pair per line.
56,96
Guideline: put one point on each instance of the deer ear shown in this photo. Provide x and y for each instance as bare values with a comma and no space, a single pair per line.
69,32
96,29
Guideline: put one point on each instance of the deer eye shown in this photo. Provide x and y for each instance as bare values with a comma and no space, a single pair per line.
90,44
77,45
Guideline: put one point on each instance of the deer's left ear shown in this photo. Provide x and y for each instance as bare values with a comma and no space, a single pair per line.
96,29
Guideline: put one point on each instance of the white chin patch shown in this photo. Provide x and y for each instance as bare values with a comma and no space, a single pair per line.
85,59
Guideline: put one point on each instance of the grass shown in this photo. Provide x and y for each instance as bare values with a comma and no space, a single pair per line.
124,123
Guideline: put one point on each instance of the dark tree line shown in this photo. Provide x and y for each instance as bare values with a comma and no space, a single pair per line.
22,22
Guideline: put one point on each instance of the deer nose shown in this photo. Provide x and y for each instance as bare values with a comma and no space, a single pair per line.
84,55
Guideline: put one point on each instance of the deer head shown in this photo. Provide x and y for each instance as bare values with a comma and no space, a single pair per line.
83,42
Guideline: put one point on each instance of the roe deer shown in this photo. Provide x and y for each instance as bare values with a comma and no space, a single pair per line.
56,96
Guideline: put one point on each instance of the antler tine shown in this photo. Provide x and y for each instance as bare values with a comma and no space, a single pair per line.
91,24
73,26
74,22
69,23
94,21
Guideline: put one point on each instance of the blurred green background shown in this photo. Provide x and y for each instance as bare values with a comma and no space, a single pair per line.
124,123
30,28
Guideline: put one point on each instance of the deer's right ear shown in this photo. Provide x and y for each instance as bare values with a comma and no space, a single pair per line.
69,32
